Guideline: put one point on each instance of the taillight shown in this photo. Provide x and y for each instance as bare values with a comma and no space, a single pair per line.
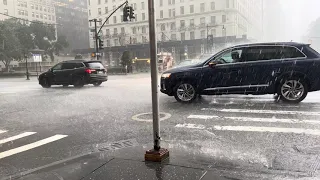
89,71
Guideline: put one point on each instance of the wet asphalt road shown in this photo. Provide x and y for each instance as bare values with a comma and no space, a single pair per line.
40,126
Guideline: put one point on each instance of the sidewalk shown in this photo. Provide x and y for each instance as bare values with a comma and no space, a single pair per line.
128,163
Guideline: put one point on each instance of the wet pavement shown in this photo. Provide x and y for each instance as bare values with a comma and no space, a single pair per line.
41,126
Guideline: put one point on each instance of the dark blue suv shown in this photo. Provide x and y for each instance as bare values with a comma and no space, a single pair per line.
288,69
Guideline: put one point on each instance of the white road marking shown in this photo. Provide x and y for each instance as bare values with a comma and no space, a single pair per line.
249,119
16,137
2,131
31,146
267,129
252,129
256,111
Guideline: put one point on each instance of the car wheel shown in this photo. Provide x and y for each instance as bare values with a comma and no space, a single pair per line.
185,92
78,83
293,90
45,83
97,83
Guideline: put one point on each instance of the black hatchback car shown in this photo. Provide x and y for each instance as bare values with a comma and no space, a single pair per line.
289,69
74,72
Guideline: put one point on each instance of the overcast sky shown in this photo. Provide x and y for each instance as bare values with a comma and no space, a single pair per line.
303,12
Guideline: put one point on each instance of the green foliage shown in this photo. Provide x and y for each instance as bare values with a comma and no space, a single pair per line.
78,56
126,59
16,40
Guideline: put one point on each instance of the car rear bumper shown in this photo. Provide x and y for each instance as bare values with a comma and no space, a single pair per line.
93,79
166,87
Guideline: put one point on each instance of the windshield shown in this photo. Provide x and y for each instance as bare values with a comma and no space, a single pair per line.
225,88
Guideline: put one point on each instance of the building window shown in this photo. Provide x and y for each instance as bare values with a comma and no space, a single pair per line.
181,10
115,31
202,21
163,37
32,14
182,23
142,5
144,29
144,39
203,32
37,7
115,41
213,20
183,36
108,42
213,5
105,1
163,27
161,14
173,37
89,13
26,14
89,2
123,30
49,17
135,6
107,21
202,8
227,4
114,19
213,32
44,9
99,1
5,2
106,10
32,6
191,8
191,22
134,30
107,32
45,16
143,16
224,18
173,12
171,2
40,8
100,21
161,2
192,35
173,26
99,11
41,16
224,32
6,11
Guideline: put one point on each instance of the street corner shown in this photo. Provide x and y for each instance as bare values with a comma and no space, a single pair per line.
147,117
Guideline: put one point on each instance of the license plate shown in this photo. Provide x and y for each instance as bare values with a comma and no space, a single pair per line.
100,72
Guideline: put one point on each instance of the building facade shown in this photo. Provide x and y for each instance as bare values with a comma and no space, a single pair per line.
28,10
179,22
72,20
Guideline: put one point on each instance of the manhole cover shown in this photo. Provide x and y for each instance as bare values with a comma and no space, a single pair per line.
147,117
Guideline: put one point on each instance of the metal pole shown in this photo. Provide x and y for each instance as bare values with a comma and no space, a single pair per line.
207,38
96,38
27,70
154,75
37,68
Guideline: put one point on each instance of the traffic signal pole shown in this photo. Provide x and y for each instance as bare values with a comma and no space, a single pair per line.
96,37
157,153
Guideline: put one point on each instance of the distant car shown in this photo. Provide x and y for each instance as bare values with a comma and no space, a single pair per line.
74,72
288,69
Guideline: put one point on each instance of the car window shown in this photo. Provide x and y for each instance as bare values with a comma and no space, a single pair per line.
57,67
79,65
68,66
95,65
228,57
288,52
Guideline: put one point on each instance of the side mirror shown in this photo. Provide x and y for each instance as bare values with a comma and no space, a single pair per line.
212,64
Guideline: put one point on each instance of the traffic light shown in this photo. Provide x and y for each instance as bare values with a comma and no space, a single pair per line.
100,43
131,13
126,13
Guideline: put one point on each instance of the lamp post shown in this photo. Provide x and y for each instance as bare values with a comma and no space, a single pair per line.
27,70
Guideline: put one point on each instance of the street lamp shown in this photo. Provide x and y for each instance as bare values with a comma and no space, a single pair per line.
223,28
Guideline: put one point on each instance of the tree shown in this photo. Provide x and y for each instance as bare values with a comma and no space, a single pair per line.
126,59
313,34
10,48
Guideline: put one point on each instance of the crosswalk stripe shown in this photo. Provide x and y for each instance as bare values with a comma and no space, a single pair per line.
2,131
268,129
252,129
249,119
31,146
16,137
256,111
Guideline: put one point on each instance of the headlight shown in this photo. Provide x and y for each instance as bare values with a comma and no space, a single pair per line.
166,75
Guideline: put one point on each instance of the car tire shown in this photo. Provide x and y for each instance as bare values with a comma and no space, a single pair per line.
97,83
78,83
185,92
45,83
292,90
